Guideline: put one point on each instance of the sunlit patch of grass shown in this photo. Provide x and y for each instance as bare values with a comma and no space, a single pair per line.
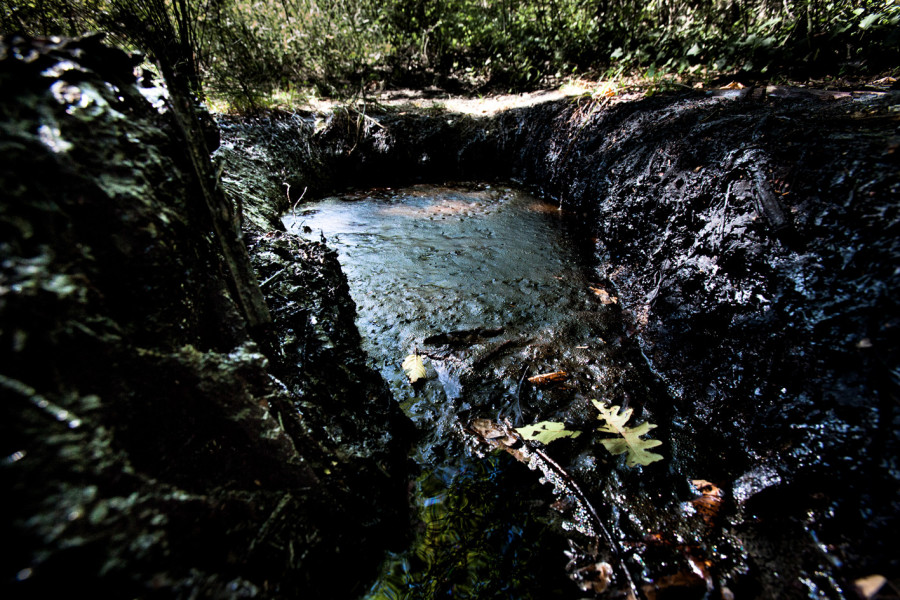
282,98
603,88
218,105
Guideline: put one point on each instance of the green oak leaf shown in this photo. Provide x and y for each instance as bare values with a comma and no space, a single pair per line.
546,432
630,441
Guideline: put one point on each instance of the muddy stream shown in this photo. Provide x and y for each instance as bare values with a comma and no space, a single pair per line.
491,286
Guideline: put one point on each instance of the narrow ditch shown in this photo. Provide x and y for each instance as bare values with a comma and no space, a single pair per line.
492,287
752,240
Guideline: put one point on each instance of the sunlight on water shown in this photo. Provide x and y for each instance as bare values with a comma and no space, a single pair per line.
458,272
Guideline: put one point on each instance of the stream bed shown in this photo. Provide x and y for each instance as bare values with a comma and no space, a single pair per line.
491,286
502,297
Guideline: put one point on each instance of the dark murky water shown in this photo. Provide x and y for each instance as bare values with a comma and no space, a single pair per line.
427,263
486,282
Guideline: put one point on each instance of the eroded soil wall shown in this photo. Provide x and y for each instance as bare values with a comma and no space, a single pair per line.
151,445
753,240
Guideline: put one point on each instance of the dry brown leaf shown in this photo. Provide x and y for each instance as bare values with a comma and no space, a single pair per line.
685,584
605,297
486,428
547,378
593,578
734,85
492,431
869,586
497,436
607,90
709,502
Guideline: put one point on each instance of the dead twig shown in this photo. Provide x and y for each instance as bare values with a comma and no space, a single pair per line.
272,278
503,435
548,378
264,530
300,199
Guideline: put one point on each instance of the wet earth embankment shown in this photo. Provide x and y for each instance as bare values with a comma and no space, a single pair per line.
156,443
750,239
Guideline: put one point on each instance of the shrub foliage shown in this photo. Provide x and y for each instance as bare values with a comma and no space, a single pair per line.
245,49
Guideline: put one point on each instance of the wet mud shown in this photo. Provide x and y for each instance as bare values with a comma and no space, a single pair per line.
749,238
485,283
754,245
465,275
155,443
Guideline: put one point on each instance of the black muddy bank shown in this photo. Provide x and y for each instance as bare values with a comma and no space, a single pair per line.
158,442
751,238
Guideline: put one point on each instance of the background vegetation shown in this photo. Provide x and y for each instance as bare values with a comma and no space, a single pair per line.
246,50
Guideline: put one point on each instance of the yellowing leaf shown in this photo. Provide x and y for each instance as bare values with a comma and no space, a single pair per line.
414,367
630,441
546,432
